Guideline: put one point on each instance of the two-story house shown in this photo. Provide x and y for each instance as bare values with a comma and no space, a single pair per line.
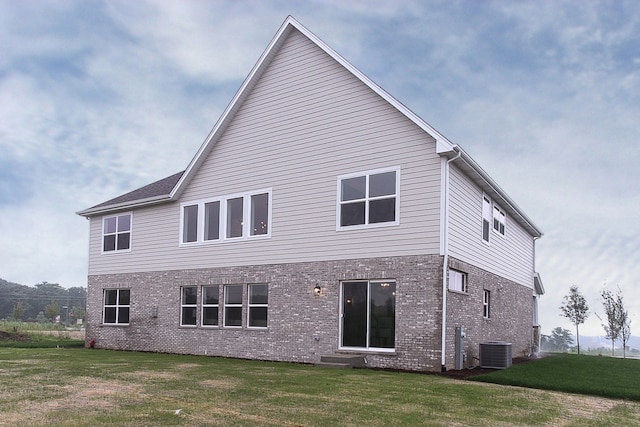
320,215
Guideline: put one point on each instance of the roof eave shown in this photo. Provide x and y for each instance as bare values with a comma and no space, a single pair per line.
124,206
505,201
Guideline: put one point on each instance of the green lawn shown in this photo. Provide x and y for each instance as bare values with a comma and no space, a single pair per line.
84,387
593,375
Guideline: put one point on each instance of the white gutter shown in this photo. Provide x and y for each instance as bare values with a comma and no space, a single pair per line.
444,199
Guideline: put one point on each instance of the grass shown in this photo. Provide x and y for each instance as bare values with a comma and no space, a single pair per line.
36,335
84,387
593,375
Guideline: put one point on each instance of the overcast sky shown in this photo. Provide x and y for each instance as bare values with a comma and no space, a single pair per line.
98,98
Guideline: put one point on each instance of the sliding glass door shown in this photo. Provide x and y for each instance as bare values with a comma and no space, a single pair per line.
368,314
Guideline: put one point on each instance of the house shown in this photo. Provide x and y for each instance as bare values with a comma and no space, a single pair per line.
319,216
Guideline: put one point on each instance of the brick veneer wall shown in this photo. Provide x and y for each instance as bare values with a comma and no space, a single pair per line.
511,314
301,326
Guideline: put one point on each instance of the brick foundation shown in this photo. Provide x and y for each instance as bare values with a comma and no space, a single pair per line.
302,326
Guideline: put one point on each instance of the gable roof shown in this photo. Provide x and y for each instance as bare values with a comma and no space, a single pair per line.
444,147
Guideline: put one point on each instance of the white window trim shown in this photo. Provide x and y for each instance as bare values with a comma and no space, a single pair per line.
367,174
183,305
246,212
116,306
464,278
249,305
116,250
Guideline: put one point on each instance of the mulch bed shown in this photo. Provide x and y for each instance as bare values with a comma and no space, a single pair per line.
14,336
472,372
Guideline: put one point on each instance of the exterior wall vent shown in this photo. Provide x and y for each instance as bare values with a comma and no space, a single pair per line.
495,354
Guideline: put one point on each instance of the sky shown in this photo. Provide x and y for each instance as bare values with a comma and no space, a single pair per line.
101,97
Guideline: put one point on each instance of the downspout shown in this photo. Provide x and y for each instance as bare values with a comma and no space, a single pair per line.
534,344
445,258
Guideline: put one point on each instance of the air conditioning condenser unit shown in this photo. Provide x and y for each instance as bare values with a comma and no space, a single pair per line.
495,354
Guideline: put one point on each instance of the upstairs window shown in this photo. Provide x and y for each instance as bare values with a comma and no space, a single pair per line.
486,218
116,233
368,199
242,216
458,281
499,219
117,303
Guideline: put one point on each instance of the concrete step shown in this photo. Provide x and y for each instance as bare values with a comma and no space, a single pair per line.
353,360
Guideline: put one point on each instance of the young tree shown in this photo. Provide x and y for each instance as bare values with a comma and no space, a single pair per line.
18,311
52,310
624,323
575,308
612,311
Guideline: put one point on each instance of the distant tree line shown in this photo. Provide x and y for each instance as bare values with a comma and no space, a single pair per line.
43,302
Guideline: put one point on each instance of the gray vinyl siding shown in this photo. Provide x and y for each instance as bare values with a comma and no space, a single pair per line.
306,121
510,256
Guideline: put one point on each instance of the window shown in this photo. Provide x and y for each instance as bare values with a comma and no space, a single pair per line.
458,281
116,233
116,306
190,229
230,217
259,214
499,219
188,306
235,214
258,306
212,220
368,199
486,218
210,305
233,305
486,304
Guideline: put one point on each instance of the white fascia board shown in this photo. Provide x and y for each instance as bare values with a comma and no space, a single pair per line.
123,206
443,144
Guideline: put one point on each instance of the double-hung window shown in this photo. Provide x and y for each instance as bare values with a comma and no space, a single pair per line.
258,306
210,305
458,281
188,305
240,216
368,199
233,305
116,233
117,304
